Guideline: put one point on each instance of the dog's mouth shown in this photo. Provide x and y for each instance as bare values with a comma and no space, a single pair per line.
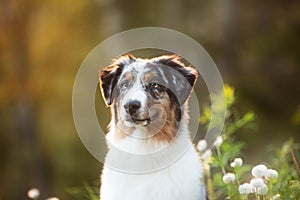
143,122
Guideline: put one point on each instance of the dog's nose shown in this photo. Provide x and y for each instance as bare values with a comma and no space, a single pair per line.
132,106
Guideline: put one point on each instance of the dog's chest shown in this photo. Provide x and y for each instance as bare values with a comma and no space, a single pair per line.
180,181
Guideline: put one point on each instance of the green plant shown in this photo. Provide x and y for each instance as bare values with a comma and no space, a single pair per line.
228,177
86,191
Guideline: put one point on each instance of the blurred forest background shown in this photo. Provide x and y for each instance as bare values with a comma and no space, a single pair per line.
255,44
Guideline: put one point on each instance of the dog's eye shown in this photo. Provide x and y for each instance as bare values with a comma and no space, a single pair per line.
124,86
154,85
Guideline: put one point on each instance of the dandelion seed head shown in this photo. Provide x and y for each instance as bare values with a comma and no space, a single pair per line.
202,145
218,141
257,182
228,178
238,162
271,173
52,198
246,188
33,193
263,190
259,170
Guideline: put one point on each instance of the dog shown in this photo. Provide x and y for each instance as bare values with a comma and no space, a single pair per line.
148,137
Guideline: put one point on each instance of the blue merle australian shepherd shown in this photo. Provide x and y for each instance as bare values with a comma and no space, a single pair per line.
148,100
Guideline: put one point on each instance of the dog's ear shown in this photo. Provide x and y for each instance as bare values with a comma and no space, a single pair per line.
109,76
181,77
108,79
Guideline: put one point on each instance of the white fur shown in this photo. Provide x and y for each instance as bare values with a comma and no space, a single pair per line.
182,180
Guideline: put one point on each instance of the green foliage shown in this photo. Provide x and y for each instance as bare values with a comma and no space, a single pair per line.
86,192
286,161
222,161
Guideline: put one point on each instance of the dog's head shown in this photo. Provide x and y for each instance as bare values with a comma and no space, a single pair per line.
147,93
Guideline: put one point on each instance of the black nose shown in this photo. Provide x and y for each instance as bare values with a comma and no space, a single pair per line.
132,106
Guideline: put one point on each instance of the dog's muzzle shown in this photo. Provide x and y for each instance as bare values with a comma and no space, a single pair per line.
133,108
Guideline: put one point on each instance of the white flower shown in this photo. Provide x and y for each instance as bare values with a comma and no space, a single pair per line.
246,188
202,145
52,198
259,170
218,141
263,190
33,193
275,197
228,178
237,162
271,173
257,182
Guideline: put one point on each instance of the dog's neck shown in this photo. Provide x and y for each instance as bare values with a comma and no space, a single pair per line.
134,155
141,141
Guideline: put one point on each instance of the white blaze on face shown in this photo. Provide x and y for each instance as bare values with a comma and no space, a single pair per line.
136,93
136,90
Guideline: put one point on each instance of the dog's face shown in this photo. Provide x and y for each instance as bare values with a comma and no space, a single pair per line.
147,93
